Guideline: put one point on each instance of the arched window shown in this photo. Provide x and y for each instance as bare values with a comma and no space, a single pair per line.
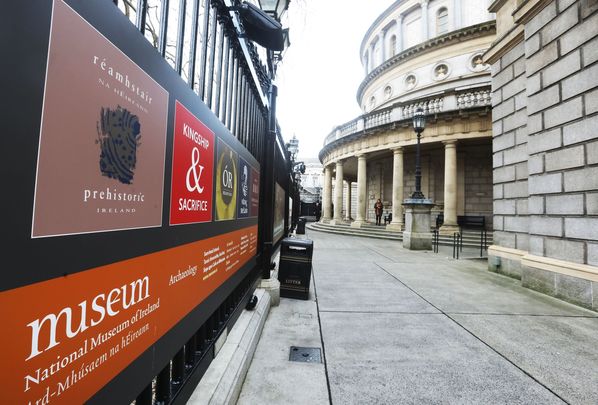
441,21
392,45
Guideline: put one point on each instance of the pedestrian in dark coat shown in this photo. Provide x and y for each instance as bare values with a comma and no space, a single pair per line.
378,207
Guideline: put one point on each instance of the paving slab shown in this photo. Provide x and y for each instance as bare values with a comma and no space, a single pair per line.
457,286
341,288
398,326
416,359
560,352
272,378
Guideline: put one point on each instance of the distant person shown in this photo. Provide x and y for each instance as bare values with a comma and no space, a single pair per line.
378,207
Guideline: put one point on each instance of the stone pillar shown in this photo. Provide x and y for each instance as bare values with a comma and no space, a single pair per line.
372,56
348,218
400,42
338,194
456,12
327,196
424,6
450,189
417,234
361,191
381,37
397,190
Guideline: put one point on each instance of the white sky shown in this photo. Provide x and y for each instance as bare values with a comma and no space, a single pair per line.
319,75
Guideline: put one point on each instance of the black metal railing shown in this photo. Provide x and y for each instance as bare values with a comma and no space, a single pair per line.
435,240
200,40
176,381
457,244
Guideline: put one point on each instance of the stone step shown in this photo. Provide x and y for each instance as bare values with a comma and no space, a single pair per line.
470,238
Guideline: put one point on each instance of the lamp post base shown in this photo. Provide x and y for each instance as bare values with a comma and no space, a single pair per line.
417,234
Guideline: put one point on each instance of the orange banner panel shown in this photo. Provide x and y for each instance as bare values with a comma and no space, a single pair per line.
66,338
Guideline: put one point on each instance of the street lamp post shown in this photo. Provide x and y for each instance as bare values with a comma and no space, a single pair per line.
419,124
417,235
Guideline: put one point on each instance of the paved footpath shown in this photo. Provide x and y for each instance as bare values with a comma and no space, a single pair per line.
403,327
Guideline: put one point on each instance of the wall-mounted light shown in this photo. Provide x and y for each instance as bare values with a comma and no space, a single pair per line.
262,28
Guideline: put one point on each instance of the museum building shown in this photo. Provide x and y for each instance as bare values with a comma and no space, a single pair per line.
428,55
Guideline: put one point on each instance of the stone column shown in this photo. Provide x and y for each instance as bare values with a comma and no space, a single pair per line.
424,6
456,12
381,37
397,190
327,197
361,191
400,42
450,188
348,218
338,194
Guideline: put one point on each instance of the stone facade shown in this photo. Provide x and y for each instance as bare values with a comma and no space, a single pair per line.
418,54
545,146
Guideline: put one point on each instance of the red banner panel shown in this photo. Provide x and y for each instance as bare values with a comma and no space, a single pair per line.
192,169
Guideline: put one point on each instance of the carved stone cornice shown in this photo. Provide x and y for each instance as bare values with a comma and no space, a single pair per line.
453,37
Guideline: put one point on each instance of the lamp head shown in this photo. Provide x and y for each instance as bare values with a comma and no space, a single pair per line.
419,120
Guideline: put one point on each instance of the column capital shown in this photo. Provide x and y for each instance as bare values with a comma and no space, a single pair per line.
361,155
424,3
340,162
397,150
450,143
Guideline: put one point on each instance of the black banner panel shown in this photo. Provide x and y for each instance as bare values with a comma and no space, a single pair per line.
132,210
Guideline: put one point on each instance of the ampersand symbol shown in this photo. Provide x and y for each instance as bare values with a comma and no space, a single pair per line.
193,172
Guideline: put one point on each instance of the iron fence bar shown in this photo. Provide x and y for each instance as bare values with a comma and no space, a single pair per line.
238,129
141,15
231,90
252,123
204,51
237,100
243,131
178,367
233,111
193,45
190,352
163,385
145,397
210,67
219,69
224,79
163,28
180,36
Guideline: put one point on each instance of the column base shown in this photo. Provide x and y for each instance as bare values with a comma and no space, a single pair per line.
325,220
357,224
395,226
417,240
448,229
272,288
336,222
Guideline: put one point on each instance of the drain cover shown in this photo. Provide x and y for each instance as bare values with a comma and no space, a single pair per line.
305,354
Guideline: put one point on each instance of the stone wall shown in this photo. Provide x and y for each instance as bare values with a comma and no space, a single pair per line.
545,148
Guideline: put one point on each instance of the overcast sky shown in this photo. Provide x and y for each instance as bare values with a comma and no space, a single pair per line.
319,75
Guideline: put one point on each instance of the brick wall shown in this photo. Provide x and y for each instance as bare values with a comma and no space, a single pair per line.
509,146
545,147
561,50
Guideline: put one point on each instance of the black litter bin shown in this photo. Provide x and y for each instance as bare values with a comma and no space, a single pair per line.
294,269
301,225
